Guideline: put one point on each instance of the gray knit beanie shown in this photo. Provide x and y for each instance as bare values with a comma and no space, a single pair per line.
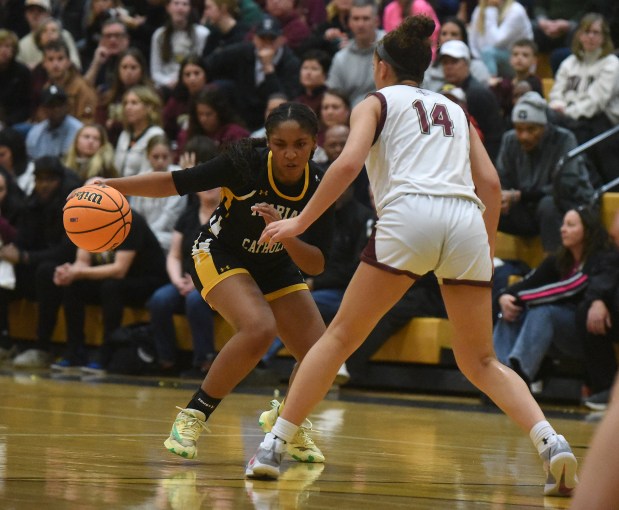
531,107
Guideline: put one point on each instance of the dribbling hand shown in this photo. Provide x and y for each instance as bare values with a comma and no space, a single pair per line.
96,181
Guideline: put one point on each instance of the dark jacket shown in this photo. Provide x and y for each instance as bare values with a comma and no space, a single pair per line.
237,63
40,230
536,173
483,105
14,94
601,269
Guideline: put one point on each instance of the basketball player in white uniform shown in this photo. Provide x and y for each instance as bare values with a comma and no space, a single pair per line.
438,199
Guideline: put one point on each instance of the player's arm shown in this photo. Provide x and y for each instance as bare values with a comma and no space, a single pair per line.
487,186
310,251
339,176
214,173
307,257
151,184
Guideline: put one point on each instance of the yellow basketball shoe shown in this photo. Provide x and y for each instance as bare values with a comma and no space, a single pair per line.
185,432
302,447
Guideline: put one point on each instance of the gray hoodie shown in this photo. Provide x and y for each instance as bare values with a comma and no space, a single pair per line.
351,70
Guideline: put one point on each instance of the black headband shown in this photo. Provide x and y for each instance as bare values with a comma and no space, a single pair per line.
382,53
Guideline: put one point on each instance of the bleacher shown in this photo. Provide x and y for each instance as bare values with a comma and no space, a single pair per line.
417,357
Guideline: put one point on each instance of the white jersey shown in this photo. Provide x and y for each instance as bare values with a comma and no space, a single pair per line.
421,147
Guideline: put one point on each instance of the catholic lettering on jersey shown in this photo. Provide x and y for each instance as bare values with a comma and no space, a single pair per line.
236,226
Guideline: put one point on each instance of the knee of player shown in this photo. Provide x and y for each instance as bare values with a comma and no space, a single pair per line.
474,366
259,333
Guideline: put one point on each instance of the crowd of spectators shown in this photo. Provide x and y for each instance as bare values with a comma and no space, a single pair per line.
107,88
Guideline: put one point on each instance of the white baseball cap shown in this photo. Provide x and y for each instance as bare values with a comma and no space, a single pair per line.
43,4
455,49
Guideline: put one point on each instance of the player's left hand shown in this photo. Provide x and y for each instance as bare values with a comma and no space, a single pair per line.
268,212
279,230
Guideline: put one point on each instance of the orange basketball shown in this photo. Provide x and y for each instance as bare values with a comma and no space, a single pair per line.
97,218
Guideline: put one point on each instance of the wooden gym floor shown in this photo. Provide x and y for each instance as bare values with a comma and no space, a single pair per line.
67,443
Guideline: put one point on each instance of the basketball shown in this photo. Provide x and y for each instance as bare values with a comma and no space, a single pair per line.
97,218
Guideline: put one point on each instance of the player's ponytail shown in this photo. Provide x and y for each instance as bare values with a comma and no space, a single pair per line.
408,48
244,157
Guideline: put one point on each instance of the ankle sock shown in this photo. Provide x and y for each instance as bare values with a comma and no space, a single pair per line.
542,434
202,402
285,430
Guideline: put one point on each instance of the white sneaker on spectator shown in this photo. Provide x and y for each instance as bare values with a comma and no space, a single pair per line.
342,376
537,387
32,358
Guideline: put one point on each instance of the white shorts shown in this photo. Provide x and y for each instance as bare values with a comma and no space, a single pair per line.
420,233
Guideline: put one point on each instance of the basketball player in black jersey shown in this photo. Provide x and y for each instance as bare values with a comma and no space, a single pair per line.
257,288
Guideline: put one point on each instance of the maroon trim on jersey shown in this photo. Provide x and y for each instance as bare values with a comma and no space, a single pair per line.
383,114
369,257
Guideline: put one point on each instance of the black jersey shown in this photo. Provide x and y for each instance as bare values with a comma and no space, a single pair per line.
235,226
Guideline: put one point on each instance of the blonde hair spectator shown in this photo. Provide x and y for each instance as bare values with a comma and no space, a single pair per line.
150,99
91,154
495,26
141,118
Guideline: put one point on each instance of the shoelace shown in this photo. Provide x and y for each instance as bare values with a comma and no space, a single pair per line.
307,425
187,425
303,437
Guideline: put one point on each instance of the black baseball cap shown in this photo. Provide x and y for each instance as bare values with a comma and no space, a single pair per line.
268,27
53,95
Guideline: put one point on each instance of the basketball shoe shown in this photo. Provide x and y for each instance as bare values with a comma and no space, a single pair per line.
302,447
94,368
185,432
560,466
268,459
65,365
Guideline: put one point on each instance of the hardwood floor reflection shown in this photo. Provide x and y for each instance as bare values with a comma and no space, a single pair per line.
73,444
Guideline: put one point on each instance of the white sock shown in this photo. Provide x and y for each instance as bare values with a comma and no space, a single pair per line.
285,430
542,434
